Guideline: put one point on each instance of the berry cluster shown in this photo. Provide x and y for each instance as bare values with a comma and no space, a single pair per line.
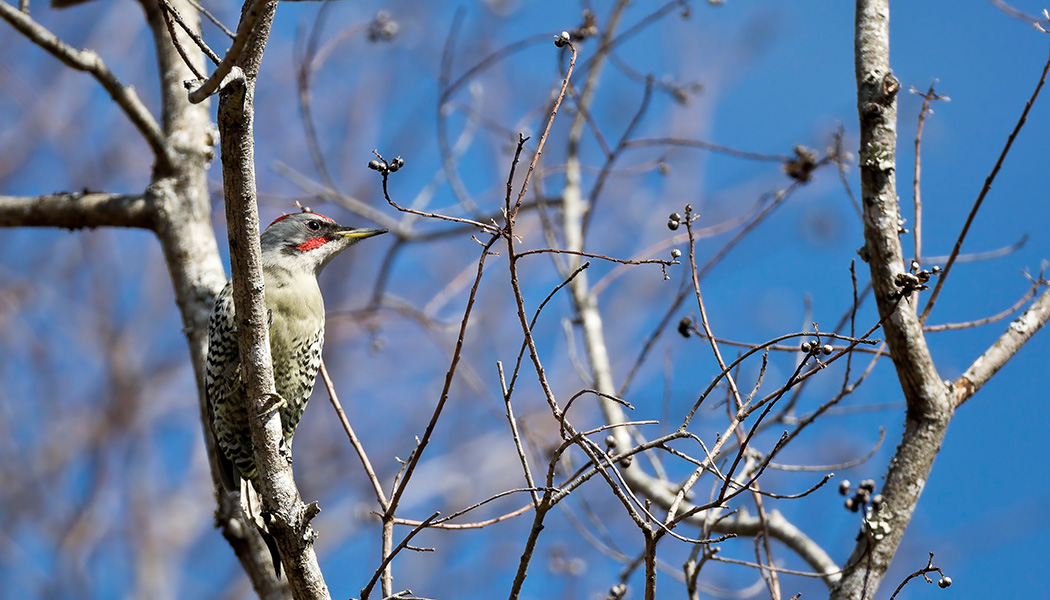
814,348
862,496
383,166
916,279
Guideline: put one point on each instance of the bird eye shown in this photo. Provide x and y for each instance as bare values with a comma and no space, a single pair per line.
313,225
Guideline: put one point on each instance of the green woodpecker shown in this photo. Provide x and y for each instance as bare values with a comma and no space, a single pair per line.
295,248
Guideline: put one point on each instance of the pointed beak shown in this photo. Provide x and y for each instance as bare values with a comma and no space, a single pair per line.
360,234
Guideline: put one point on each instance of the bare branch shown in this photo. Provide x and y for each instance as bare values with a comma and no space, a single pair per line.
1009,343
90,62
1017,14
929,405
245,29
75,210
290,522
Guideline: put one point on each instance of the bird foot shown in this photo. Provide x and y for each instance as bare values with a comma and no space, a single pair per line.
276,403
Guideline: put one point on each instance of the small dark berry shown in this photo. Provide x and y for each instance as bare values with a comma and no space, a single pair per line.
844,487
944,582
685,327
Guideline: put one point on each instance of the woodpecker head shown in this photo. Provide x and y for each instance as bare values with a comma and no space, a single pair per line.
308,241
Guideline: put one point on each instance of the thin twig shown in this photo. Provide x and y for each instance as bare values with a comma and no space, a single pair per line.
233,55
204,11
475,525
702,145
599,182
513,422
836,466
447,387
703,312
493,229
170,12
929,568
929,96
166,15
354,441
984,192
778,198
840,163
996,317
365,591
546,132
532,324
733,561
622,261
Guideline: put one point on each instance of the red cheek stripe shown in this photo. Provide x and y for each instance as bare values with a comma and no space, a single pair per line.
312,244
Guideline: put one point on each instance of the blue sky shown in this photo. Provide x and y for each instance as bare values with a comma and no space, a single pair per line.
775,74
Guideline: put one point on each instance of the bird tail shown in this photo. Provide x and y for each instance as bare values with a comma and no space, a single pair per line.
228,475
252,506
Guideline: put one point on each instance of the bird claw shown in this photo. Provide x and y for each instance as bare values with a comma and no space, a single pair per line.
276,404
